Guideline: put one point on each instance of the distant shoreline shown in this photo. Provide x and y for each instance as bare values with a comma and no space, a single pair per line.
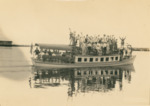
141,49
14,45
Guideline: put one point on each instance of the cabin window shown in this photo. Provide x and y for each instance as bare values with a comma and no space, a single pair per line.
85,59
120,72
96,59
115,72
96,72
116,58
101,72
111,72
79,59
106,72
102,59
91,59
107,58
112,58
78,73
90,72
84,72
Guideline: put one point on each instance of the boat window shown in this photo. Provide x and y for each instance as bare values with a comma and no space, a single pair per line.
101,72
111,72
112,58
96,72
116,58
96,59
79,59
115,72
107,58
90,72
106,72
91,59
79,73
102,59
85,59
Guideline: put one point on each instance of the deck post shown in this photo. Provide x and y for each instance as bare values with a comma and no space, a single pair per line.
88,59
110,59
104,59
113,72
94,59
109,72
99,60
113,58
75,73
82,73
82,59
94,72
118,58
76,59
99,72
118,72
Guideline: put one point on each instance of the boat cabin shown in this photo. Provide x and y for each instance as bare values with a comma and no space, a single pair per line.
52,53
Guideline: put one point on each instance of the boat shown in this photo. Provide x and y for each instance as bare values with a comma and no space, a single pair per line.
65,56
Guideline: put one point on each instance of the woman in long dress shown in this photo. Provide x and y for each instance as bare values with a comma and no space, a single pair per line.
84,49
107,48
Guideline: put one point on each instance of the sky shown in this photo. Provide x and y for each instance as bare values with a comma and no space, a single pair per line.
48,21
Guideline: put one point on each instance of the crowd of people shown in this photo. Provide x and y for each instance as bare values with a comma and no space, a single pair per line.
97,45
85,45
52,55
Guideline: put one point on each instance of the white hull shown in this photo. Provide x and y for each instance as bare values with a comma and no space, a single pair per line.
75,65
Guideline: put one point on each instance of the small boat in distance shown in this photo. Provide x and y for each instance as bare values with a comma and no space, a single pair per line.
82,52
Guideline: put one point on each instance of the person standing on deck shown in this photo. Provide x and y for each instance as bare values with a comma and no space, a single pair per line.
121,53
37,53
87,39
78,41
107,48
113,43
104,41
100,49
122,41
125,52
44,56
82,40
98,38
72,37
89,47
110,45
95,48
84,49
116,47
49,52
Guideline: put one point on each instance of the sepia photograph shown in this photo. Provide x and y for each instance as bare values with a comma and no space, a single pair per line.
74,53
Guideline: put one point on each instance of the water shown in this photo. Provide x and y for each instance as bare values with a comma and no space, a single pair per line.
23,85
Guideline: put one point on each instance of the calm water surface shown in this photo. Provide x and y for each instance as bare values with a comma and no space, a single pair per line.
23,85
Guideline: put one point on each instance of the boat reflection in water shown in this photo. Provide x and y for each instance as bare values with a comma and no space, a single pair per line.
82,80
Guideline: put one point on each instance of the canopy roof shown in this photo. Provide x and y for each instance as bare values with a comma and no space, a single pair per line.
54,46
